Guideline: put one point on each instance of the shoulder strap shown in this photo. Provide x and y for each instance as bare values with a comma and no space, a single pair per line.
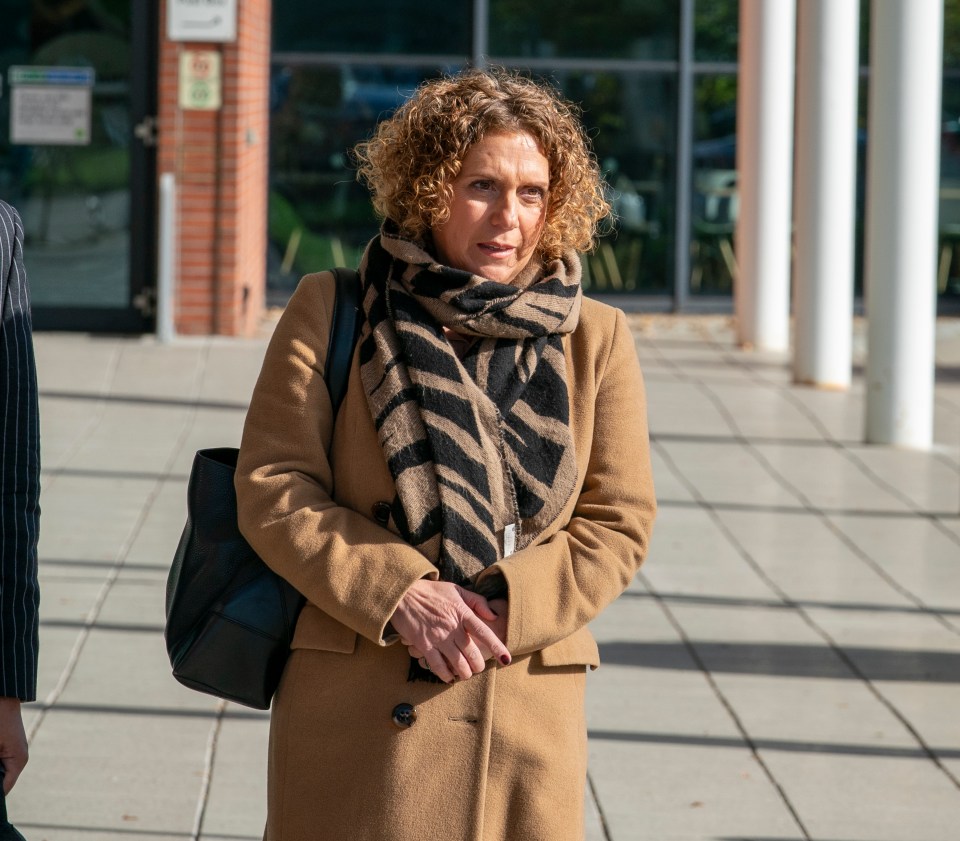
344,329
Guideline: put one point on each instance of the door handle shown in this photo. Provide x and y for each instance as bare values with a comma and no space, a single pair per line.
146,130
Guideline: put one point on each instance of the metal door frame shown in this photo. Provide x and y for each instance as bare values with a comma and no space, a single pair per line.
138,315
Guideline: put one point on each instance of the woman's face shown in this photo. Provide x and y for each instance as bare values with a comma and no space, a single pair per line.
498,209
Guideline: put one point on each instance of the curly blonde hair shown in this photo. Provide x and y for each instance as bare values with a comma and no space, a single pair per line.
412,159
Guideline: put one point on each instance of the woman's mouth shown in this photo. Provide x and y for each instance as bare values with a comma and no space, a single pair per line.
495,249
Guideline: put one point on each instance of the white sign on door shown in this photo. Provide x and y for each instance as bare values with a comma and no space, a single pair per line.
202,20
50,105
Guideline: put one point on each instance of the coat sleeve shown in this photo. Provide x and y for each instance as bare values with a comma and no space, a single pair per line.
19,471
346,564
558,586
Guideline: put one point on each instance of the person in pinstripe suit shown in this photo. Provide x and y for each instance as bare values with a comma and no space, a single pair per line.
19,499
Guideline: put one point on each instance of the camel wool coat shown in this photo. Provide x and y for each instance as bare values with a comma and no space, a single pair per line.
499,757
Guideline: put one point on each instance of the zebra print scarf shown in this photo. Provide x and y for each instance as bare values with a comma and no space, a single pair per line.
480,448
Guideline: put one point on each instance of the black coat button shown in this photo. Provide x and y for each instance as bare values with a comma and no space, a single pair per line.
381,512
404,715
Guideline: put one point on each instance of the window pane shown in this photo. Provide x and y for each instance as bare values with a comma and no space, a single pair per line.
951,34
383,26
715,26
320,215
636,29
864,33
74,199
863,98
631,118
715,202
948,275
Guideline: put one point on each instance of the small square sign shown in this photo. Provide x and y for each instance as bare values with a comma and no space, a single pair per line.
200,80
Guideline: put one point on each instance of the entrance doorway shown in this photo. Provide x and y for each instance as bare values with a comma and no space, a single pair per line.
77,156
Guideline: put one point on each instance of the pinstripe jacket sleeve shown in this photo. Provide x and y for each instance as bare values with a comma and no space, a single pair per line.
19,471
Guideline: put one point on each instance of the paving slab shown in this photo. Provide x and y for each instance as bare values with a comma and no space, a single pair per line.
829,481
920,555
112,772
808,561
237,807
868,798
730,474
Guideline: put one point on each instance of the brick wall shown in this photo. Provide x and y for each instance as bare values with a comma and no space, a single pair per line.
219,159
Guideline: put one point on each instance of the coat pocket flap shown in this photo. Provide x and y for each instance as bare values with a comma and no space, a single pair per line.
579,649
321,632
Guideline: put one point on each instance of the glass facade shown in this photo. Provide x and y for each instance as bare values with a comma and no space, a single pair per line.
81,197
715,24
631,118
662,117
320,215
948,273
564,29
384,27
714,204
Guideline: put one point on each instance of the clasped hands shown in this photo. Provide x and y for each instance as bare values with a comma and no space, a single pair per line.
452,631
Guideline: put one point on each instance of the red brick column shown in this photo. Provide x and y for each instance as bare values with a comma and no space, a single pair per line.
219,159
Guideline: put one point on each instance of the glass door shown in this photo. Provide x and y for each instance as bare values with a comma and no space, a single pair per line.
77,157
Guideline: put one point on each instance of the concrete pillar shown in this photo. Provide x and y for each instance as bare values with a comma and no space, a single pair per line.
906,47
825,190
765,165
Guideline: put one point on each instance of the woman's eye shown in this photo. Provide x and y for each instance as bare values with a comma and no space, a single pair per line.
482,184
534,193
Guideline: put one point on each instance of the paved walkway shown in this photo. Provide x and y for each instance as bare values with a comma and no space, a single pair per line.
787,666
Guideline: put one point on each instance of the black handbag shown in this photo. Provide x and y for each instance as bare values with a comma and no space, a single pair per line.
230,618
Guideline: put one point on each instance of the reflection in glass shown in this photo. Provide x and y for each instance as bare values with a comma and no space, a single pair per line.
948,271
424,27
715,202
320,215
634,29
861,188
75,200
716,28
631,120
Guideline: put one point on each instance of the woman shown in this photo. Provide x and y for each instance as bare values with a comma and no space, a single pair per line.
484,492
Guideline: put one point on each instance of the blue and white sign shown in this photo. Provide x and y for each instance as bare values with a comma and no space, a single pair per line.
28,75
51,105
202,20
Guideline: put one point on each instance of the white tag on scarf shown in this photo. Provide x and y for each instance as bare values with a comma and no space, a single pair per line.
509,540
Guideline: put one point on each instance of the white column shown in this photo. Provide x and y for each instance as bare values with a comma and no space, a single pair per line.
765,165
906,39
825,190
166,257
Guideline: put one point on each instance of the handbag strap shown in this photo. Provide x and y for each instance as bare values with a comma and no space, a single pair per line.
344,330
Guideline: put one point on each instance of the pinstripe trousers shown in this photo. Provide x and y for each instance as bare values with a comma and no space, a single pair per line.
19,471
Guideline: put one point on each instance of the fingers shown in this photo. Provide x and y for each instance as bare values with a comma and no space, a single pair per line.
13,742
486,638
462,656
436,663
460,659
447,626
478,604
12,767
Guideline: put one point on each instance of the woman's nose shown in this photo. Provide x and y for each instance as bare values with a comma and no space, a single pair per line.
505,212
